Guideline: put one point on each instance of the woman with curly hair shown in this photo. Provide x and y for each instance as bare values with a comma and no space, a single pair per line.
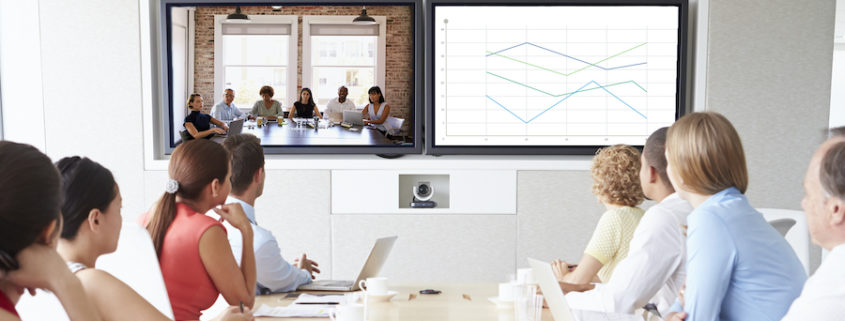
616,184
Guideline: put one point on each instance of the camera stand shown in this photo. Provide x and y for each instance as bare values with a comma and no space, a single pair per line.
415,203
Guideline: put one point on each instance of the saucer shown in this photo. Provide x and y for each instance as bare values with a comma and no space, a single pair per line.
381,297
501,304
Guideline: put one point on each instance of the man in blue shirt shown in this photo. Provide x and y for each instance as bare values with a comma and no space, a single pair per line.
273,273
225,110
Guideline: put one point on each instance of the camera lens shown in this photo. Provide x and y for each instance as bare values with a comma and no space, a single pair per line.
423,189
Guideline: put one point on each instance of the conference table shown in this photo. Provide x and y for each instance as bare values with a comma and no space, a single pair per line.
291,134
456,302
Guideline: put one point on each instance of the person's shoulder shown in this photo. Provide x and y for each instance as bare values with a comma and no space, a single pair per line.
97,279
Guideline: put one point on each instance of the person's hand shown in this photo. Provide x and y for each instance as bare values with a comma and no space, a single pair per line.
560,268
234,314
681,294
225,127
676,316
218,131
234,214
304,263
40,267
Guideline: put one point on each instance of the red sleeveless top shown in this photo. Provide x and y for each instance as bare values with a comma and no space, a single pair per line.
6,304
188,284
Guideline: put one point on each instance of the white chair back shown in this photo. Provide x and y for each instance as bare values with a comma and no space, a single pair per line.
798,236
135,263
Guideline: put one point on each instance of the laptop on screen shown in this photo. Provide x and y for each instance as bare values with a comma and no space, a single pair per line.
353,117
372,267
235,127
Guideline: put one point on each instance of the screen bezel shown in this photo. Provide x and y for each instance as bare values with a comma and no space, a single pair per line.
165,74
431,148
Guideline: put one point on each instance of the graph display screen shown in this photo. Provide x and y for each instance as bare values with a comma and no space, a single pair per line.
553,76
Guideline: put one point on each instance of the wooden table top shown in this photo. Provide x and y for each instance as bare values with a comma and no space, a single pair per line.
456,302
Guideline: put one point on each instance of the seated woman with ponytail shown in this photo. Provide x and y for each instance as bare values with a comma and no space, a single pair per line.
194,253
92,222
29,227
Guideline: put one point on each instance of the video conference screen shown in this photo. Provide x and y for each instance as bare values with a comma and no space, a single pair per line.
328,59
557,77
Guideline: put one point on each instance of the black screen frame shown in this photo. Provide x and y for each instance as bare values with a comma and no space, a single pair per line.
431,148
163,103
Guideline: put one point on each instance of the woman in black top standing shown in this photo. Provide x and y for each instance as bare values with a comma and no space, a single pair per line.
305,106
198,124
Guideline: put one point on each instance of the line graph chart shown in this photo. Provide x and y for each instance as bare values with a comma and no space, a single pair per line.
551,76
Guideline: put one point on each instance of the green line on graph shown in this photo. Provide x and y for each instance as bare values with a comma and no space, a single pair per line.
575,71
569,93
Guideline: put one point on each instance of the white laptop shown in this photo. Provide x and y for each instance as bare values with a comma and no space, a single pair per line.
353,117
371,268
557,301
235,127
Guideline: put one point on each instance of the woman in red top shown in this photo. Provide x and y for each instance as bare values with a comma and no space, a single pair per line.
29,228
194,253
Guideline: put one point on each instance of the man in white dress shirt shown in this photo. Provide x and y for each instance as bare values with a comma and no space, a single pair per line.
823,296
336,106
274,274
654,270
225,110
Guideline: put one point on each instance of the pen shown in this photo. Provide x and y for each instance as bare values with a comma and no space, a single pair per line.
242,307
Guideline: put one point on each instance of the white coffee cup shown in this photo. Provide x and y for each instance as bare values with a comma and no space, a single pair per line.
349,312
375,286
506,291
525,276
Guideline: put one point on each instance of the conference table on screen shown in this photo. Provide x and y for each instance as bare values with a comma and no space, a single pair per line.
291,134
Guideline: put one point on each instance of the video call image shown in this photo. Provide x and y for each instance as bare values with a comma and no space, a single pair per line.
307,75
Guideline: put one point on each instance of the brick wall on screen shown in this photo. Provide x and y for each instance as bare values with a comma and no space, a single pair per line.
399,64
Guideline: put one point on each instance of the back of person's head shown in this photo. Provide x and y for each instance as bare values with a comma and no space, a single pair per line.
832,170
837,132
376,90
30,199
654,153
706,154
86,185
193,165
616,178
247,158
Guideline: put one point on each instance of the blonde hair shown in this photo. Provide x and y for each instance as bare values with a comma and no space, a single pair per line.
705,153
616,176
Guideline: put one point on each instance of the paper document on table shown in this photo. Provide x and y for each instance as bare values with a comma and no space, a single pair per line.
293,311
306,298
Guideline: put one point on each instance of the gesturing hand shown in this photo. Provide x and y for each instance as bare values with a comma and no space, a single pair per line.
560,268
304,263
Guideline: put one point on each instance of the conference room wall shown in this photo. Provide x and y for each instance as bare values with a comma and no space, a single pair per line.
93,101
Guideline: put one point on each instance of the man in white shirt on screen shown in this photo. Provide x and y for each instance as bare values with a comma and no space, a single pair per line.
824,205
654,270
336,106
273,273
225,110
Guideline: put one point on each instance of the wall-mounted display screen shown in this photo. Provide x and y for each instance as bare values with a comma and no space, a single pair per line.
557,77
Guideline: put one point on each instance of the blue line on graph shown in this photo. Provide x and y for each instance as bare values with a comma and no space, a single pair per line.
565,55
564,98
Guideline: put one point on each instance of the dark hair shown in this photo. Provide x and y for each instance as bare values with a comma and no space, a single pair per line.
837,132
193,164
30,197
376,89
310,97
191,98
86,185
654,152
266,90
832,171
247,157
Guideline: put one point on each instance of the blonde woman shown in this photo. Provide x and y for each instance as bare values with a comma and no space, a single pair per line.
738,266
616,184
